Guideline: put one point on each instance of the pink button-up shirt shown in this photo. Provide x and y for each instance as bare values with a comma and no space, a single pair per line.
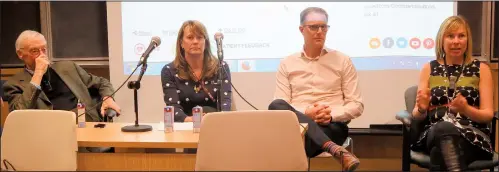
330,79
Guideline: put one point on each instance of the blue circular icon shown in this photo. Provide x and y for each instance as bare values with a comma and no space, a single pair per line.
401,42
388,42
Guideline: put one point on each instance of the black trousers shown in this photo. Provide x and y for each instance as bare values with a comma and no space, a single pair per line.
467,151
316,134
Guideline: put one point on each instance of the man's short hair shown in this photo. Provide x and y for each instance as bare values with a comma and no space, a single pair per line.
309,10
25,35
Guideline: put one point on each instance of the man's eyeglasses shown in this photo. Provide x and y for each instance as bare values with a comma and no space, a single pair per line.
315,28
36,51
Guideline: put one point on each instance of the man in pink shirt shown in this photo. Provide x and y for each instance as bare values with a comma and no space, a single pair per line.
320,85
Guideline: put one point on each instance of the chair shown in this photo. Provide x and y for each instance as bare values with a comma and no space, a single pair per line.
413,127
251,141
41,140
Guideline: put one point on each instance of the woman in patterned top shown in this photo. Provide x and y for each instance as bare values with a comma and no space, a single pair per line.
455,100
192,78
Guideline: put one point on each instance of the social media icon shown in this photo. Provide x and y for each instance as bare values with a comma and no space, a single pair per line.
139,48
374,43
246,65
388,42
401,42
428,43
415,43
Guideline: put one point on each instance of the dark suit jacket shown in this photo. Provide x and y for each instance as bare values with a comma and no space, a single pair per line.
21,93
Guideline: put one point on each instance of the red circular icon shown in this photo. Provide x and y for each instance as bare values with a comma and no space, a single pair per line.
415,43
139,48
246,65
428,43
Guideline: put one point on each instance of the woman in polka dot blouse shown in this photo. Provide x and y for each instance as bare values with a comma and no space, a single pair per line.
454,100
192,79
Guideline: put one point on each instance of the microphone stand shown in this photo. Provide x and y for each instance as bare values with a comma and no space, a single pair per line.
221,81
220,53
135,85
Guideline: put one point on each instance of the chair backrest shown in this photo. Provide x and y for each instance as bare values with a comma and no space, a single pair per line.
251,141
41,140
417,126
410,98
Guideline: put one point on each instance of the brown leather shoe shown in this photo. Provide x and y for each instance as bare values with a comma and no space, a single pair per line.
348,161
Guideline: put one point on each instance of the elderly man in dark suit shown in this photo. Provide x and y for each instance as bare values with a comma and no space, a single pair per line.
57,86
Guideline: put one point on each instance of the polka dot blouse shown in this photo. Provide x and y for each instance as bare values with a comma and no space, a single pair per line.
183,95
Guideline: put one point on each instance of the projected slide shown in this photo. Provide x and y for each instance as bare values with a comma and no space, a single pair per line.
378,36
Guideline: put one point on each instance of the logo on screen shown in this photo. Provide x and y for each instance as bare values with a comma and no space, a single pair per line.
415,43
388,42
139,48
401,42
374,43
428,43
246,65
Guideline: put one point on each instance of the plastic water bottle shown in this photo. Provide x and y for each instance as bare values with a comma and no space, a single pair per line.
81,111
168,121
197,117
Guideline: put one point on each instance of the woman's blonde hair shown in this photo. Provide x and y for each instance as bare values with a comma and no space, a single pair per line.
453,23
210,63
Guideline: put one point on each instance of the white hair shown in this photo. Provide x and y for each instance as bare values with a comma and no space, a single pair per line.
26,35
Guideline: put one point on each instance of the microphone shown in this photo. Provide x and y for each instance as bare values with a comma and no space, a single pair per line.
155,41
111,113
46,81
218,39
44,84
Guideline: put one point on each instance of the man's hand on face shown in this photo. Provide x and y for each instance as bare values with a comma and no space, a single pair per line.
41,64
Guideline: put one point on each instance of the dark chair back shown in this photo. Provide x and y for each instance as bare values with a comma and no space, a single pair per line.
417,126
